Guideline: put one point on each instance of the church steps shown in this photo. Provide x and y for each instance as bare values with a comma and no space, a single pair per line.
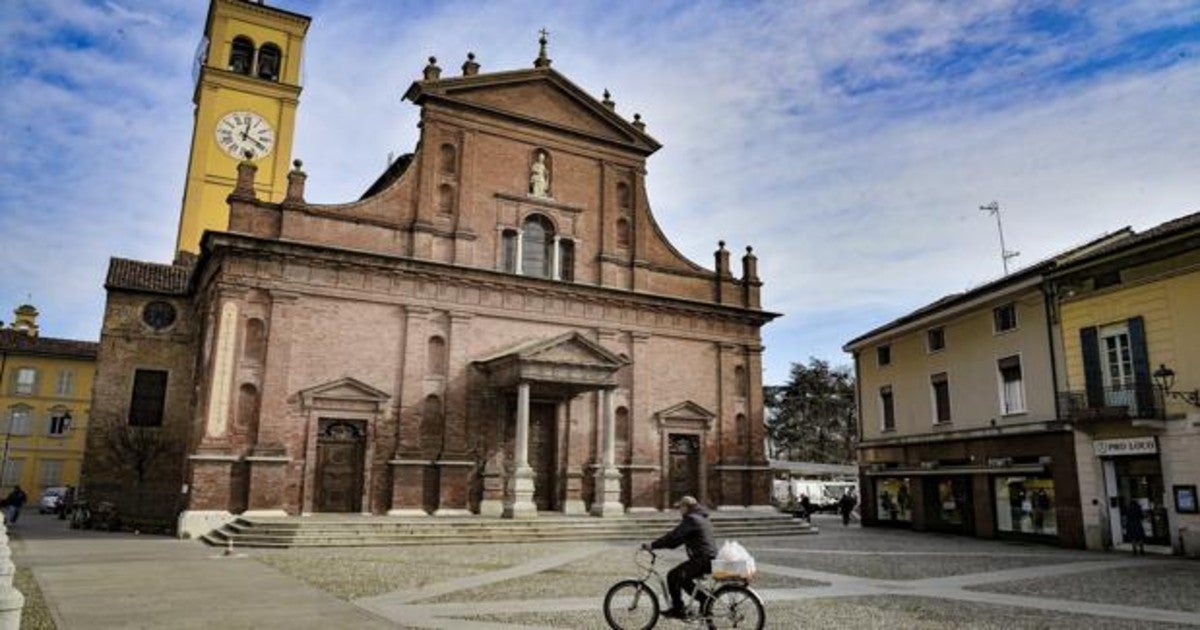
380,531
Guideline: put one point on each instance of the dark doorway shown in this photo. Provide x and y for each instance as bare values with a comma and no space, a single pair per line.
948,504
340,449
684,476
543,420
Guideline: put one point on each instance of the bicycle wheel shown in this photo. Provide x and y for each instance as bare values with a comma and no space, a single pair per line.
631,604
735,606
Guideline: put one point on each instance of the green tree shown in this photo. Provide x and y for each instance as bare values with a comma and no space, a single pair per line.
813,417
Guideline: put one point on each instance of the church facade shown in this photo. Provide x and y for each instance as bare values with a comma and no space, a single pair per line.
498,326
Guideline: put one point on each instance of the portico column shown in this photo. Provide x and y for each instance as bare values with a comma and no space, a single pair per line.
522,477
608,478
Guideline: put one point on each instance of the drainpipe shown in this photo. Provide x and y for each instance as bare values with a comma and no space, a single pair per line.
1047,295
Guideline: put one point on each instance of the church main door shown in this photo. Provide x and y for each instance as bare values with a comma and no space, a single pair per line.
340,450
684,455
543,455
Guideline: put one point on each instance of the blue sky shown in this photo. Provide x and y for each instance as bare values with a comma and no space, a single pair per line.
851,143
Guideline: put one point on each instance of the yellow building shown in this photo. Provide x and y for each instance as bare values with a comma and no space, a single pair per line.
247,91
45,394
1129,317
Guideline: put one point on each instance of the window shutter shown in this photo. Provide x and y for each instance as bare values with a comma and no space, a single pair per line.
1141,366
1092,375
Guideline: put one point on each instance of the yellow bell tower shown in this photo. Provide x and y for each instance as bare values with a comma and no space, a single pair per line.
247,91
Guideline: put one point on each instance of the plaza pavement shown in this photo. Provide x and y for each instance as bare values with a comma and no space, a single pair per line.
840,578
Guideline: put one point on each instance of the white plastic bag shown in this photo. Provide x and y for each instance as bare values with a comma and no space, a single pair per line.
733,562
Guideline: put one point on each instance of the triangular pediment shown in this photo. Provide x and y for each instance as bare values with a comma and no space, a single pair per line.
539,95
686,410
567,349
346,389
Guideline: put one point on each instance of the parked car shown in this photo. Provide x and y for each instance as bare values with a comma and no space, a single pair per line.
52,499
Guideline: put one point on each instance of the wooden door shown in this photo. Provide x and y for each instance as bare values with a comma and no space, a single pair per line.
543,455
340,449
684,467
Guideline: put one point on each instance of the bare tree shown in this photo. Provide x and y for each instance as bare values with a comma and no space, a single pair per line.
137,447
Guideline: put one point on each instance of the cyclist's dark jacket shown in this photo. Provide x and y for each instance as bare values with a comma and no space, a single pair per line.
695,532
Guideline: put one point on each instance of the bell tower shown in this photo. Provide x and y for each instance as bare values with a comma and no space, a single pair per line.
247,92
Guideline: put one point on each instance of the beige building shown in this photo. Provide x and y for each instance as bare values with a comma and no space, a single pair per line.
498,326
1129,315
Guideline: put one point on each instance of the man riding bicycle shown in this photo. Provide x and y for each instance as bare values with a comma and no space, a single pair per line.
695,532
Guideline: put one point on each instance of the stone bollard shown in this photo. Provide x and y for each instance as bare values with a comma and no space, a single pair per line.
11,600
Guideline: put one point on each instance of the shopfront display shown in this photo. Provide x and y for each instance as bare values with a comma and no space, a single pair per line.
1025,505
893,500
948,503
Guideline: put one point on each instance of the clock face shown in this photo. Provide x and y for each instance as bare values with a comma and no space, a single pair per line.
245,135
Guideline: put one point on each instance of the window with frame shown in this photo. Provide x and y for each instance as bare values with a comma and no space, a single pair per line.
149,398
883,354
50,473
1012,385
537,247
508,251
1004,317
26,382
12,471
566,260
20,419
60,421
941,397
887,409
66,383
935,338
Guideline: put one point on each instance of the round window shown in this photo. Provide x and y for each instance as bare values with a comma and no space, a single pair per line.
158,315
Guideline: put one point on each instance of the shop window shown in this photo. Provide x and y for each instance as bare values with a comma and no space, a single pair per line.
936,339
1025,505
26,382
1012,385
148,399
883,355
241,55
893,500
1004,317
887,409
941,398
268,62
948,502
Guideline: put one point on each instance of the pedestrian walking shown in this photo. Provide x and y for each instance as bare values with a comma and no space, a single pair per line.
846,507
12,505
806,508
1135,531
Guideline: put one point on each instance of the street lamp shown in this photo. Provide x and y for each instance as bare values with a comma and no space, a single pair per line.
1164,377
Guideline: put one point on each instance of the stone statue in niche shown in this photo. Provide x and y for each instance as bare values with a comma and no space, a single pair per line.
539,176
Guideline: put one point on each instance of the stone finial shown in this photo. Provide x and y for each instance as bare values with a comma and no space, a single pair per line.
750,265
542,60
470,67
246,169
722,259
432,71
637,122
608,102
295,186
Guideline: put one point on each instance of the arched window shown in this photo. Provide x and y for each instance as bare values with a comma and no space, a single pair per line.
436,357
624,201
739,381
508,251
247,411
566,260
241,55
268,62
431,427
743,430
622,233
447,159
254,347
446,199
537,246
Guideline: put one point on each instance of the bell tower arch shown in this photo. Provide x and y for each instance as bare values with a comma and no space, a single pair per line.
247,92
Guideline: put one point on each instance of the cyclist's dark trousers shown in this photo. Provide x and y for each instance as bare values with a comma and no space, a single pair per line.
683,577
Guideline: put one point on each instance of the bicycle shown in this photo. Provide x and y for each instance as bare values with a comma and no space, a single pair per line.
633,603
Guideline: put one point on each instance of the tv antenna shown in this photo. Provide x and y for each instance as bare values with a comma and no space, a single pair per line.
1005,253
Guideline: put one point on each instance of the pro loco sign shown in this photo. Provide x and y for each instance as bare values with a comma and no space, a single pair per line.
1126,446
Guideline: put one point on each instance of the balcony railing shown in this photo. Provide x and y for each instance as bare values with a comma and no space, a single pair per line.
1137,400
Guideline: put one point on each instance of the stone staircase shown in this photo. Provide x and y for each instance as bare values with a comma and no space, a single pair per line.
349,530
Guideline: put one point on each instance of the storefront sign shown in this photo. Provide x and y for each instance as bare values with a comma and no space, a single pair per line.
1126,446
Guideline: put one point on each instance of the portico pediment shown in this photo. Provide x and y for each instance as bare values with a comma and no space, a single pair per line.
344,393
569,360
686,415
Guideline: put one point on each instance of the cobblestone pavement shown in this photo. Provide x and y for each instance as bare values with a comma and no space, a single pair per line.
840,578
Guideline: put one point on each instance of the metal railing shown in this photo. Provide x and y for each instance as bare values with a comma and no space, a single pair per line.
1136,400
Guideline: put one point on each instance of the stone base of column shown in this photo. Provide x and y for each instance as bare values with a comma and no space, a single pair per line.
211,486
491,507
522,505
608,494
196,523
454,483
408,487
267,478
407,512
574,503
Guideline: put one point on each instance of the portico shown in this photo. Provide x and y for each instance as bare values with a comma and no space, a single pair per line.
554,371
